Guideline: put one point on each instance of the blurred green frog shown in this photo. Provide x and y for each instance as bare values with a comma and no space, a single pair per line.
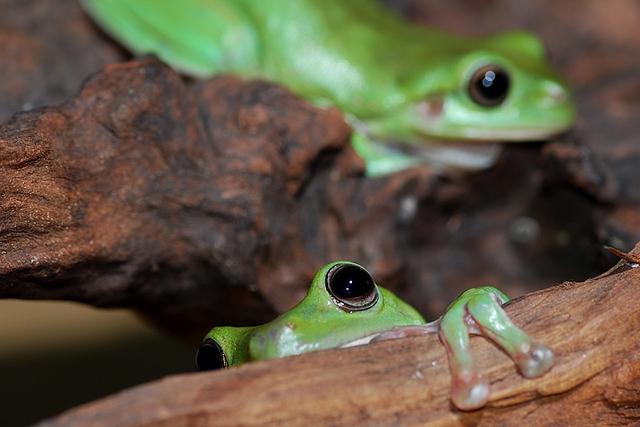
413,95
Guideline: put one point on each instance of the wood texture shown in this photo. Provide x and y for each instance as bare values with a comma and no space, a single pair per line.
201,203
593,328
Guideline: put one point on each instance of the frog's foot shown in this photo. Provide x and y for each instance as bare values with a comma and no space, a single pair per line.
479,311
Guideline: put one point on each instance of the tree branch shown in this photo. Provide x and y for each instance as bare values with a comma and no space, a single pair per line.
188,200
593,328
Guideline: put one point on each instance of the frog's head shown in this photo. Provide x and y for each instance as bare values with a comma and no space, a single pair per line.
343,307
499,88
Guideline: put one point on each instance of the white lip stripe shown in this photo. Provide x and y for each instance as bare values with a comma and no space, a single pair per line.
400,332
359,341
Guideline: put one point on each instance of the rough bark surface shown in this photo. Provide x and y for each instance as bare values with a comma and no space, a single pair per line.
140,189
209,202
591,326
189,199
48,49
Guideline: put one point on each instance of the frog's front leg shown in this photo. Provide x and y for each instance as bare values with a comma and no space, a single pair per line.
479,311
380,160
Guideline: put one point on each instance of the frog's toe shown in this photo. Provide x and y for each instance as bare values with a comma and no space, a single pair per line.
469,391
535,361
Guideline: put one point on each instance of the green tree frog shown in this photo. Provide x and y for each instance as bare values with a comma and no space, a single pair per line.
412,94
344,307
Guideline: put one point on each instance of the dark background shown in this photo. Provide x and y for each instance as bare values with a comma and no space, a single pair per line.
49,48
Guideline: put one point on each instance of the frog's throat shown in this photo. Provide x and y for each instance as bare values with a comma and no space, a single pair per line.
442,154
453,155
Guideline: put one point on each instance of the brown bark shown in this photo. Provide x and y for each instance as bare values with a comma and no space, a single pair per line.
214,202
48,49
141,191
593,327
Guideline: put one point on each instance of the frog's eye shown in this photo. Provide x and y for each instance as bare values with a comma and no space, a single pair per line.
210,356
489,86
351,287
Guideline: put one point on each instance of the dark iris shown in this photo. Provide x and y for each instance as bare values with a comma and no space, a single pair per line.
210,356
352,286
489,86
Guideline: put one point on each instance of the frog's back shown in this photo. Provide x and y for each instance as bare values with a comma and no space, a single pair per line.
354,54
198,37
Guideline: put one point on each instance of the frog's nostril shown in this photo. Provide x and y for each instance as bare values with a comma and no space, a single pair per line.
432,107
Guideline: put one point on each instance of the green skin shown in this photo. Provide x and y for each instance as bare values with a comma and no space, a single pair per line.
404,88
318,322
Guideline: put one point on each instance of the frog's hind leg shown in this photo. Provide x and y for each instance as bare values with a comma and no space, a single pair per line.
533,359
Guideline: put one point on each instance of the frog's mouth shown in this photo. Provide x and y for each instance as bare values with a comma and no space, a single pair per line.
430,126
506,136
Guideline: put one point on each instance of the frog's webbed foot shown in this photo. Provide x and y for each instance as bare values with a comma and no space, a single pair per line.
479,311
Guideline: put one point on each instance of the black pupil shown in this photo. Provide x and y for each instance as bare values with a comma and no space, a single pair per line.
491,86
350,282
210,356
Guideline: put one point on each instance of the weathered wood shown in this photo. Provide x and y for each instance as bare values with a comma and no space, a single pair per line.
141,188
87,213
593,328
